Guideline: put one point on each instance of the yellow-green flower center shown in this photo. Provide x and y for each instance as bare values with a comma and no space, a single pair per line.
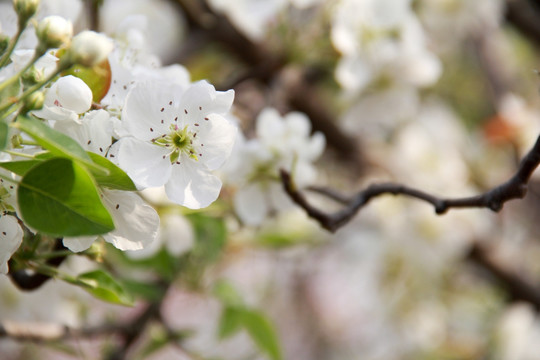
179,141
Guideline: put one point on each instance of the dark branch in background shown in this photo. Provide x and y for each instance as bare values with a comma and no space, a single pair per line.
524,15
266,66
494,199
92,9
517,288
31,281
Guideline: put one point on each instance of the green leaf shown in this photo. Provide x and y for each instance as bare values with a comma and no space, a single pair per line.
227,294
262,332
145,290
20,167
104,287
59,198
56,142
230,322
4,135
116,179
210,237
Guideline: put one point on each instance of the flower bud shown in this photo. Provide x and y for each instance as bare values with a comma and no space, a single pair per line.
25,9
53,32
70,92
35,101
89,48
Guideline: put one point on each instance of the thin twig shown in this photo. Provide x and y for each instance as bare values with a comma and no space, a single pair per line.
494,199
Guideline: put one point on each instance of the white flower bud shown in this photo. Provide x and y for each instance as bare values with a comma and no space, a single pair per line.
70,92
54,31
25,9
89,48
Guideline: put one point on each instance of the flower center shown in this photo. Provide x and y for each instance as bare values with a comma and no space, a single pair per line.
180,141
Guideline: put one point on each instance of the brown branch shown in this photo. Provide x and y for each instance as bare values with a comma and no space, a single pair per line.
494,199
27,280
516,286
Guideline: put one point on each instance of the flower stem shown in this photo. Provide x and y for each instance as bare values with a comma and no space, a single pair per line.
12,43
15,77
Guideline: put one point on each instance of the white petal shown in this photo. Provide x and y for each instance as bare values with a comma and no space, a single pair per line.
136,223
72,93
93,132
251,205
177,234
146,105
270,125
218,136
354,73
298,124
11,236
191,185
202,99
144,162
80,243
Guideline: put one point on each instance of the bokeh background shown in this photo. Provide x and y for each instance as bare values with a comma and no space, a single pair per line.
441,95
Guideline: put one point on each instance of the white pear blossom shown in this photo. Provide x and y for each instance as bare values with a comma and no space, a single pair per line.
282,142
380,41
11,236
68,97
178,136
136,223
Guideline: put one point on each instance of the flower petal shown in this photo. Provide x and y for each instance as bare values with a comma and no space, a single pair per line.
250,204
145,163
146,105
217,137
80,243
191,185
136,222
202,99
11,236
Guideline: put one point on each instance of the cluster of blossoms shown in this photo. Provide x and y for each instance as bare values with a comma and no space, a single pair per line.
280,143
115,100
151,121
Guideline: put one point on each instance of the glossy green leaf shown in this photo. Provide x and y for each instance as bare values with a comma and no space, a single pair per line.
262,332
19,167
116,177
56,142
104,287
59,198
4,135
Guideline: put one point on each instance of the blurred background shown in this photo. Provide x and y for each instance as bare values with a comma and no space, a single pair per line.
441,95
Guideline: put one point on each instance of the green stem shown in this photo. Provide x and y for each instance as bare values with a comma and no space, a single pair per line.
37,56
53,272
14,153
54,254
31,90
12,43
